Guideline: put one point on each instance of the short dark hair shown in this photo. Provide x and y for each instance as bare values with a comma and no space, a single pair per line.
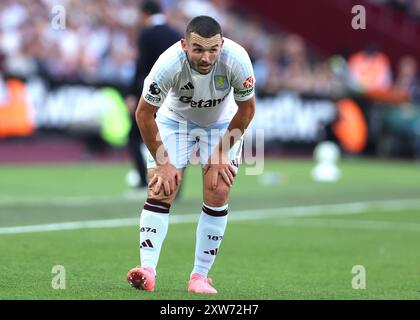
150,7
204,26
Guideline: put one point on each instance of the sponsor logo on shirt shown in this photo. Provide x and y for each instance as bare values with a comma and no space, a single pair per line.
243,93
202,103
221,83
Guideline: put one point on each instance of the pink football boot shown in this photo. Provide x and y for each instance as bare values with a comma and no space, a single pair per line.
199,284
142,278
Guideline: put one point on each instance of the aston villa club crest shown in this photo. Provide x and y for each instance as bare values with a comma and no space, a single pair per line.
221,83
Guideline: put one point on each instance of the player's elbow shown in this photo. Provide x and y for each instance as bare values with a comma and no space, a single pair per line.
247,108
249,111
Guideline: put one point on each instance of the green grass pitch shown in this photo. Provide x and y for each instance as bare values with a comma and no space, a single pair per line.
284,240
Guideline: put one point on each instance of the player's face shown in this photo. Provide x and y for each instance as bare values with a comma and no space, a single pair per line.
202,52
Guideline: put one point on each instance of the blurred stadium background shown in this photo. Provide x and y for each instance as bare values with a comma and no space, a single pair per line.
63,155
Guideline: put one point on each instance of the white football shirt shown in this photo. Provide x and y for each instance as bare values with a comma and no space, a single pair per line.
182,93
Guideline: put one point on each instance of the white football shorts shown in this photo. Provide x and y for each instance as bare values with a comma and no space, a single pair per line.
187,142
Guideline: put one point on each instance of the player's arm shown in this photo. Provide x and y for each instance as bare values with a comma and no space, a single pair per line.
219,160
145,118
166,174
239,122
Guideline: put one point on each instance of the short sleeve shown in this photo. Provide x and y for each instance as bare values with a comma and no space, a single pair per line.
154,91
243,79
159,81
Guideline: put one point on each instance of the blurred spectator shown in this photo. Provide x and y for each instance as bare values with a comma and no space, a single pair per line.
370,70
268,72
408,78
296,72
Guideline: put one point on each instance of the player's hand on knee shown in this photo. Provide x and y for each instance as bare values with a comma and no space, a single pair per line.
224,169
167,177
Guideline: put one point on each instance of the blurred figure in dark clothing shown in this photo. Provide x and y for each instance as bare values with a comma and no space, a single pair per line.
408,78
155,37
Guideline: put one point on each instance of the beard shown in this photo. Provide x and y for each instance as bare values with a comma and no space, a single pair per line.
202,68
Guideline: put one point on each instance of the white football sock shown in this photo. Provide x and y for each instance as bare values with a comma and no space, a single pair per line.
154,221
210,230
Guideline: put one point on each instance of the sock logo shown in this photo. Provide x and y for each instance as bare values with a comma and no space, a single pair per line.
214,238
212,252
147,229
146,244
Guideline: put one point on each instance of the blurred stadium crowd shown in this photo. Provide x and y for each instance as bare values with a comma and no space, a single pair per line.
100,46
97,45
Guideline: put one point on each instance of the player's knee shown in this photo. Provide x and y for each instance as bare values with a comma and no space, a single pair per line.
219,196
161,196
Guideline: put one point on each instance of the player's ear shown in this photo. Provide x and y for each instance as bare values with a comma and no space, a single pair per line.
184,44
223,41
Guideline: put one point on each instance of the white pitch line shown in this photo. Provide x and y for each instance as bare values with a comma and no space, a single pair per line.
7,200
348,224
255,214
